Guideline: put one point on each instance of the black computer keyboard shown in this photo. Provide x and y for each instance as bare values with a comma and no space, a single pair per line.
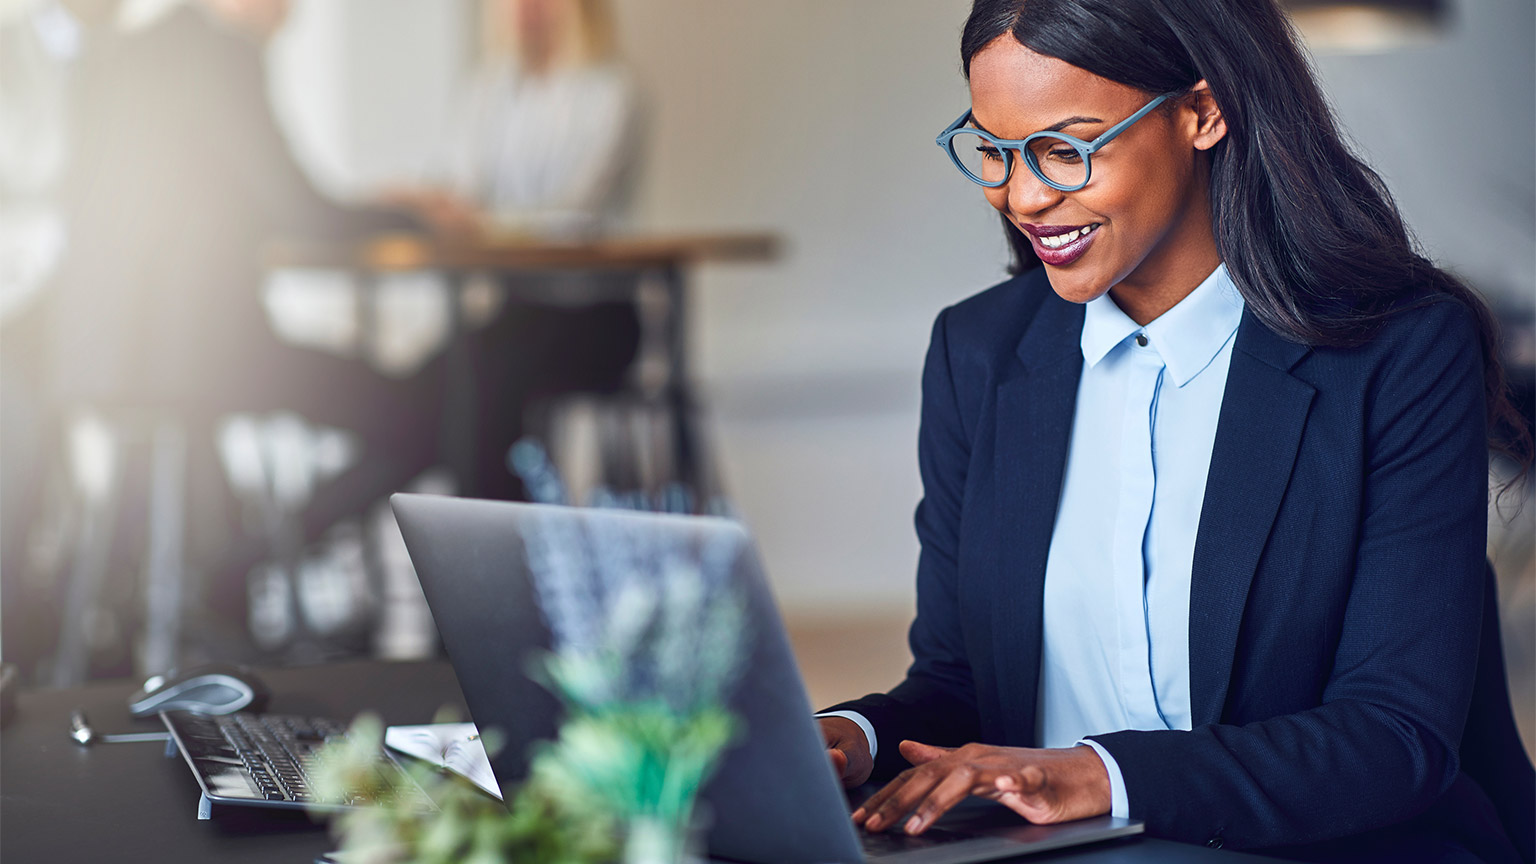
265,760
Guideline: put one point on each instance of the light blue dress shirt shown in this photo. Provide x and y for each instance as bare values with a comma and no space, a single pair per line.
1115,638
1115,642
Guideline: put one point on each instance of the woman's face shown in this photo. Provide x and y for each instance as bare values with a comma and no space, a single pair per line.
1146,206
537,26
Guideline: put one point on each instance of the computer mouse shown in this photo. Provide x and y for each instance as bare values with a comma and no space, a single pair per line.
213,689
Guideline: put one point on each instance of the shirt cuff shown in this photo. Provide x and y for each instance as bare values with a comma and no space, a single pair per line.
1119,806
869,731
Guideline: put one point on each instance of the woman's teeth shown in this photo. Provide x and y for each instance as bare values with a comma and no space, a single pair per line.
1060,240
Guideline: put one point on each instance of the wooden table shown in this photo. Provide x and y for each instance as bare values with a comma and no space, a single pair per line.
668,258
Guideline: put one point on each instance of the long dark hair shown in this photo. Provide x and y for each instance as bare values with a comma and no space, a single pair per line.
1309,233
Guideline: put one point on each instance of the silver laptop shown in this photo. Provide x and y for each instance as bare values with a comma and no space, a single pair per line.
774,798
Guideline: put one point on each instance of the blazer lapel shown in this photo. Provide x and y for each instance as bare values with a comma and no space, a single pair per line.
1263,411
1034,427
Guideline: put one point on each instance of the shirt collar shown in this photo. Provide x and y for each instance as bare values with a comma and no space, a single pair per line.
1187,337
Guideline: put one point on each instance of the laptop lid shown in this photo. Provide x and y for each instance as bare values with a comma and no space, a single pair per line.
773,798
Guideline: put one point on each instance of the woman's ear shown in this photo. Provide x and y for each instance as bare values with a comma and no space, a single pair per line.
1209,125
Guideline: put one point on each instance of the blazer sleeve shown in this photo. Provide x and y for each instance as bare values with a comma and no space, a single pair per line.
936,703
1382,744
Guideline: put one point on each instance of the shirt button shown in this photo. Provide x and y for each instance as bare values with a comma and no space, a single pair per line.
1141,339
1214,842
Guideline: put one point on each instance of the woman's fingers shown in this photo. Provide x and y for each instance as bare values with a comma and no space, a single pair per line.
957,784
876,801
940,779
1043,786
1020,791
895,809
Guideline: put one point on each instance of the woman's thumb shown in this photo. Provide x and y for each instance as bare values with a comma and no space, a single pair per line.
918,753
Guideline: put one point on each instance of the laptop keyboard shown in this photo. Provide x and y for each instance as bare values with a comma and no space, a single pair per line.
266,759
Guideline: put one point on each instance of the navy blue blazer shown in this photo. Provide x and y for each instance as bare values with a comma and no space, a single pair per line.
1337,584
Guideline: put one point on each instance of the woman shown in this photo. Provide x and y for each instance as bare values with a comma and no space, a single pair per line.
544,144
1205,483
546,138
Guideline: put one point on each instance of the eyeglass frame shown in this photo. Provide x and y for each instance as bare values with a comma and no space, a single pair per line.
1007,147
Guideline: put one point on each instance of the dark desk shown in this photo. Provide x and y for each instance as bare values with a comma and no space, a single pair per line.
60,802
667,258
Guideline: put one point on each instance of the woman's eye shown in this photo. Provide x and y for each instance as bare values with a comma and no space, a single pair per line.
990,153
1065,154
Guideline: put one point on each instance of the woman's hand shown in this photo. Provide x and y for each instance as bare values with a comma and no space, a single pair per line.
1043,786
848,749
443,211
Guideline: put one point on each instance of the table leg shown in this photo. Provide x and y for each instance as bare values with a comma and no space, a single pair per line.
460,412
689,455
367,316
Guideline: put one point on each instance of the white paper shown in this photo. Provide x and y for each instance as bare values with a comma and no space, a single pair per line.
452,747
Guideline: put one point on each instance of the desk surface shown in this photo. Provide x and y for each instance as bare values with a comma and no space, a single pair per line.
60,802
475,252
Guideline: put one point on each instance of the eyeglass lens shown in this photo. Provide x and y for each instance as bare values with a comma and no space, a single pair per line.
980,157
1056,159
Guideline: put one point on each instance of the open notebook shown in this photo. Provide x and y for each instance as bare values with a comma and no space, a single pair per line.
452,747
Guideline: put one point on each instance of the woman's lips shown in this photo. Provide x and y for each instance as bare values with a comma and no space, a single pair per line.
1066,253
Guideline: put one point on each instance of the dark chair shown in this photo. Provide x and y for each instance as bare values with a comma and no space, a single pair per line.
1491,751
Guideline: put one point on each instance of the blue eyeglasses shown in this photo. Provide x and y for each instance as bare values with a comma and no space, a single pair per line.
1061,161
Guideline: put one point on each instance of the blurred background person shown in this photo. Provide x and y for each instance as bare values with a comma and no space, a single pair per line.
544,142
545,137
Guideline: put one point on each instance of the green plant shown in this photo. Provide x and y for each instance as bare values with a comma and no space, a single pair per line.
647,648
547,821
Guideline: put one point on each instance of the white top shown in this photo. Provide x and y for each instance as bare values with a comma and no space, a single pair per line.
551,152
1115,639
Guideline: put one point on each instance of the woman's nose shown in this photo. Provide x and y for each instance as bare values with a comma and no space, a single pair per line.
1028,194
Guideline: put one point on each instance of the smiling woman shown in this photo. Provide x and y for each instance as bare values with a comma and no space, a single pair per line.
1205,483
